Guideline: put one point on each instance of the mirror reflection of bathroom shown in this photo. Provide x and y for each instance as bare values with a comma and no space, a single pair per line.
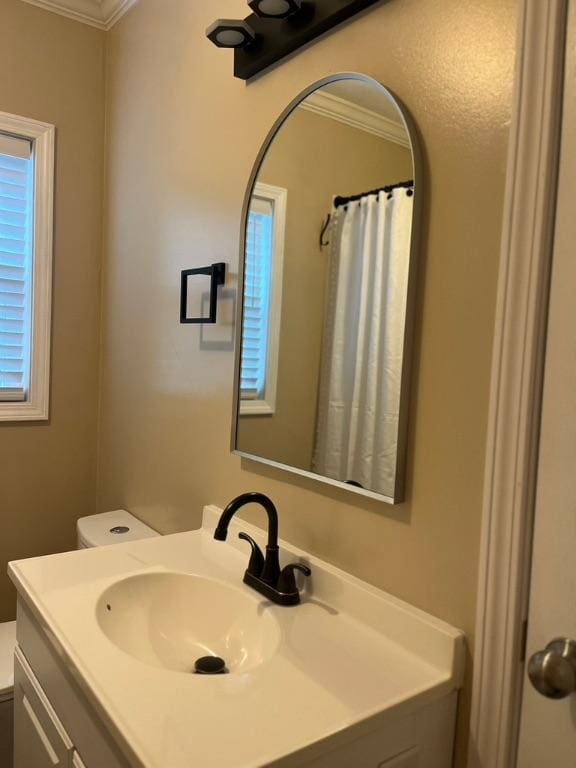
327,258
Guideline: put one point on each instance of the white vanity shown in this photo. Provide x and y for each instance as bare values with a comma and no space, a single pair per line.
107,640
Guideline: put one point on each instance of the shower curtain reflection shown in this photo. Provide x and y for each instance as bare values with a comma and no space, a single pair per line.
357,430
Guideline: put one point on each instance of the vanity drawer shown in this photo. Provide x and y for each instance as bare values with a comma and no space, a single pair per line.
83,725
40,739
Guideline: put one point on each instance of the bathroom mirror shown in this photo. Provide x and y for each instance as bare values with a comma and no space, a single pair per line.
326,279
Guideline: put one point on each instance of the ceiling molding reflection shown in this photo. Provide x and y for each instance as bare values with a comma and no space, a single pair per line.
344,111
102,14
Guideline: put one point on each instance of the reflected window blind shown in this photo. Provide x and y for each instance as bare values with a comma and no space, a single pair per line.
16,235
257,283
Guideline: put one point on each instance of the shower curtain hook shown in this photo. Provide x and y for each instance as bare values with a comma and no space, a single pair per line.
324,230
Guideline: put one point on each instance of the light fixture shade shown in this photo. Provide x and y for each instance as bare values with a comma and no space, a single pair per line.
230,33
275,9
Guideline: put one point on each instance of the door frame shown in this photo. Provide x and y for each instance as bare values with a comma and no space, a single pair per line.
516,384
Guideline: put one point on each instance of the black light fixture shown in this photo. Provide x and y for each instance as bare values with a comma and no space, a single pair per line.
231,33
275,9
277,28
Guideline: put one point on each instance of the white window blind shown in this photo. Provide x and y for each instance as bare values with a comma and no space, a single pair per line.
257,289
16,236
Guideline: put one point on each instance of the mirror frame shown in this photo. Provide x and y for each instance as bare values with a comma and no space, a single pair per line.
405,388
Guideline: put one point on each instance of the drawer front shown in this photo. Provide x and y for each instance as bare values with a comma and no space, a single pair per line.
89,735
40,740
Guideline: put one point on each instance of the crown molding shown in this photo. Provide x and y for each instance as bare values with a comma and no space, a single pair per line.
102,14
344,111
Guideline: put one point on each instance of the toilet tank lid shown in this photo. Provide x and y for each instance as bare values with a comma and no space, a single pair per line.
7,645
110,528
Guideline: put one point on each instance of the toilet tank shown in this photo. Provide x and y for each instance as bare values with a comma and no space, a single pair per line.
115,527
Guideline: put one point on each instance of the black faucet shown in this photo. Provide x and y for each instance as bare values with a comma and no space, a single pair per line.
263,573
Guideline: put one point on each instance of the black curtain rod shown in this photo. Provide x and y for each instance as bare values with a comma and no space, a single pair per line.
339,201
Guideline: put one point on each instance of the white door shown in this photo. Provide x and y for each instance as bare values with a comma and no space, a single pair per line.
548,725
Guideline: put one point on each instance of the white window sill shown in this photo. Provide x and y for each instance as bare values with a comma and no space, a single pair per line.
14,411
255,408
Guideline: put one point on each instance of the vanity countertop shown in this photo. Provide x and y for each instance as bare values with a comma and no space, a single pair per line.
347,658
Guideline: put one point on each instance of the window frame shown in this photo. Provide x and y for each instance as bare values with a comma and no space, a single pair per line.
266,406
42,137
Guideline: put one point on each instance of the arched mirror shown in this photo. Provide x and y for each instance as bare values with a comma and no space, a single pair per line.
327,274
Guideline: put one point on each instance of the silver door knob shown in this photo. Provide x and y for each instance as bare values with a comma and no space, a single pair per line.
553,671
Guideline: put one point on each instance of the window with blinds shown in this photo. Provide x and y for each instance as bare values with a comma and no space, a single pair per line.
257,289
263,269
16,247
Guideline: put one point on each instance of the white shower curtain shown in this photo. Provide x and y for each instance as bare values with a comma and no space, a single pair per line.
360,374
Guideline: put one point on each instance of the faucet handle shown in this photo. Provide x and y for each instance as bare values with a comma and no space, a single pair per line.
256,563
287,580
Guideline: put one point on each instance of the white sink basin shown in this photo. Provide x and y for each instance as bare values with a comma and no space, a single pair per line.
170,620
351,676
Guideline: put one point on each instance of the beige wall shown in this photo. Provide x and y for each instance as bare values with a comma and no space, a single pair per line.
314,158
183,135
51,69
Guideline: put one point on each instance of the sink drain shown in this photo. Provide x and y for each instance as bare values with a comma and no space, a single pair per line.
210,665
